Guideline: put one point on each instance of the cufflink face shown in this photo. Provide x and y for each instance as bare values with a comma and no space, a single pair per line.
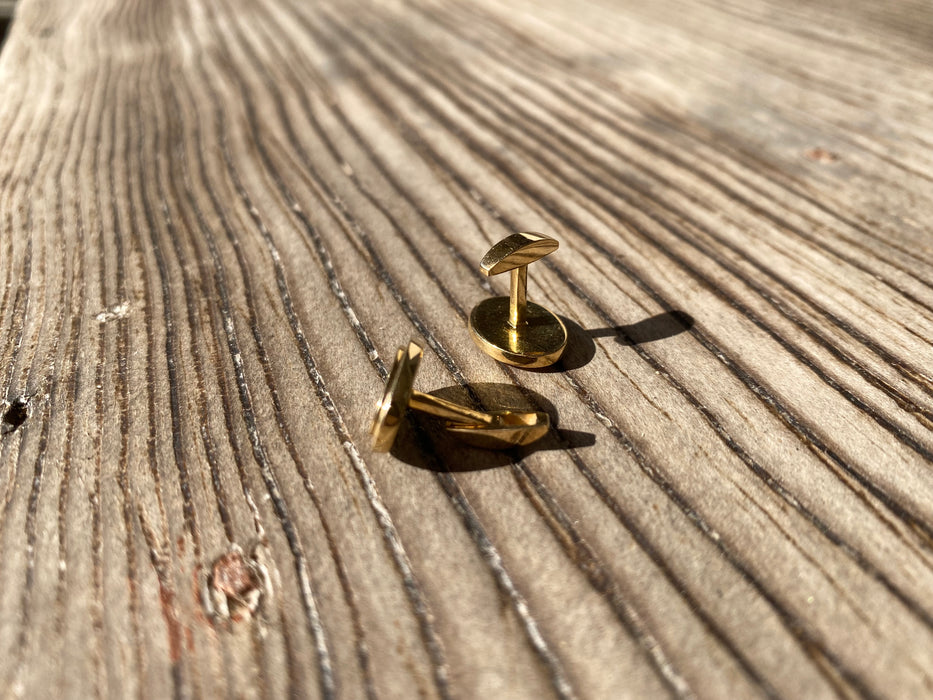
511,329
399,387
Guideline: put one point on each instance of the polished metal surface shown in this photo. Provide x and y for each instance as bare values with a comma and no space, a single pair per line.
507,430
511,329
517,250
496,429
395,399
538,342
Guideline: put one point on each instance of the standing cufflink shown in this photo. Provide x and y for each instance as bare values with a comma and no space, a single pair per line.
486,429
512,329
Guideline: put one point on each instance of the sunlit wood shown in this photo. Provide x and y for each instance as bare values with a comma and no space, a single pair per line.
218,222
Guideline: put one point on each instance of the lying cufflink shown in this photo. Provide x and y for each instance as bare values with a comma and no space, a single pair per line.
486,429
512,329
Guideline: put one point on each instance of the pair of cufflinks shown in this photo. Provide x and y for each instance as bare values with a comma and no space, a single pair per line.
510,329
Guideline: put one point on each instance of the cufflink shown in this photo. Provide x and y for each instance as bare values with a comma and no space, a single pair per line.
498,429
512,329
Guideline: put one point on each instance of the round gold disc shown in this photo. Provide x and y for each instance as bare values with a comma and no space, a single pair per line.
391,409
538,343
509,430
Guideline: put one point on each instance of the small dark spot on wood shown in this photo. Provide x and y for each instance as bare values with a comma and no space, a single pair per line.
236,586
821,155
14,415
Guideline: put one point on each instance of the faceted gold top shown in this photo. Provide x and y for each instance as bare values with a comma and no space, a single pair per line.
517,250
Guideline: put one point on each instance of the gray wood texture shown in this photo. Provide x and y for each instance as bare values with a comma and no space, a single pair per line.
218,221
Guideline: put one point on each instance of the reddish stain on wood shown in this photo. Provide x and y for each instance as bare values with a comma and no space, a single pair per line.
167,601
821,155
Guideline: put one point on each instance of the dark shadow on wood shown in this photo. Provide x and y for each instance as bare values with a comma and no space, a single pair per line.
423,442
664,325
581,348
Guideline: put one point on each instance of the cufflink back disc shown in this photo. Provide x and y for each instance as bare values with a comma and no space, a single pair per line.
512,329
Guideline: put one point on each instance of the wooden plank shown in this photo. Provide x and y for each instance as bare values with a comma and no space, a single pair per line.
220,219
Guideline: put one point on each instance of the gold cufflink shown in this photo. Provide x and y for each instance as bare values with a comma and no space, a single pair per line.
512,329
486,429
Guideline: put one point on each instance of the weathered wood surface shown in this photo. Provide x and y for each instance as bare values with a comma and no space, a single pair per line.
219,219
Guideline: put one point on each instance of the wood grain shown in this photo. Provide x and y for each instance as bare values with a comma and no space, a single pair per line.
219,219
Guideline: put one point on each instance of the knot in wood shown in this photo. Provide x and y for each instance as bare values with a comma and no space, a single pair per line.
236,586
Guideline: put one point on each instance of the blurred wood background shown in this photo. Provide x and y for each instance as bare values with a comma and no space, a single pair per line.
220,218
